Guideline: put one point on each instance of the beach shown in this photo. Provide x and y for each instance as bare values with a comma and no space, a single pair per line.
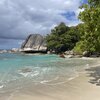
76,89
49,49
48,77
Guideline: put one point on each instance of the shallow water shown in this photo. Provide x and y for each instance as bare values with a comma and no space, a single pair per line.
18,71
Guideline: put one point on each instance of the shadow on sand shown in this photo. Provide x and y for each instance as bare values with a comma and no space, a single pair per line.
94,73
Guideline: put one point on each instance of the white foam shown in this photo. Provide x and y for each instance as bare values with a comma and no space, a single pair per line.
35,73
87,66
71,78
45,69
1,86
47,81
24,74
28,74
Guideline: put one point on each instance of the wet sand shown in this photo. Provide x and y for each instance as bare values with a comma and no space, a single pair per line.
84,87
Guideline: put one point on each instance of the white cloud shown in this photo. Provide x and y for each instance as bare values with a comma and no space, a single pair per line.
19,18
78,11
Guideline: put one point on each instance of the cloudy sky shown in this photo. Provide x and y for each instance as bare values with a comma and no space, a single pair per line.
19,18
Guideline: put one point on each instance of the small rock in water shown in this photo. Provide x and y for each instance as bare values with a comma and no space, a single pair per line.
62,55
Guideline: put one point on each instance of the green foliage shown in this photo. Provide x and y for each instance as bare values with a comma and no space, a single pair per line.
83,37
90,40
94,2
62,38
79,48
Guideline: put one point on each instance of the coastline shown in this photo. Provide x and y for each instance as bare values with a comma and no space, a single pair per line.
78,88
84,86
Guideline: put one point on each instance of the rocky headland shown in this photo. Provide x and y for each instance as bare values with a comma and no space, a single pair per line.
34,43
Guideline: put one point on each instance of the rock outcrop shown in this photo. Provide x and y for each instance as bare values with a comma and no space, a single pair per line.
35,43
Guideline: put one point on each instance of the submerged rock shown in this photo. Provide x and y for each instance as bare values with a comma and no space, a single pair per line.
34,43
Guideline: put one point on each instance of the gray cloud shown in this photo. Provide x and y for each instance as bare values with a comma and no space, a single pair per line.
19,18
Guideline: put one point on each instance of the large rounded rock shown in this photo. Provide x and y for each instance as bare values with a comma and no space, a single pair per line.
86,54
34,43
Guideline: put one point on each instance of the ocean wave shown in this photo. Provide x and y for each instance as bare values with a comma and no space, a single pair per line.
24,74
28,72
36,73
47,82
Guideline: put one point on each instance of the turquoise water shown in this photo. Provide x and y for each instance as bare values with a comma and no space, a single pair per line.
20,70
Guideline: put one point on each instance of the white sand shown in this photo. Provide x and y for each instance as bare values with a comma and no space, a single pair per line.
76,89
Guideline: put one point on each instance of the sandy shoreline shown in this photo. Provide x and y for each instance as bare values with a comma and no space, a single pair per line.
86,86
83,87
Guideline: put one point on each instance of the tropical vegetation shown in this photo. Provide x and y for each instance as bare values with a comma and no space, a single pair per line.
80,38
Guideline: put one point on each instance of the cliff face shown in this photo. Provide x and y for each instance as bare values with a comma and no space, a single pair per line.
34,43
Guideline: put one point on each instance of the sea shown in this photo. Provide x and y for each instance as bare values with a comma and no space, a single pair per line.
18,71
